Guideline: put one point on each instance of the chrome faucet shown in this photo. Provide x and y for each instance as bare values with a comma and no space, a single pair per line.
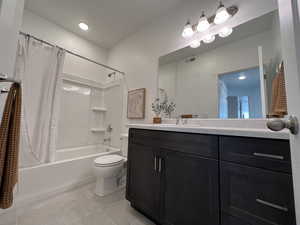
178,120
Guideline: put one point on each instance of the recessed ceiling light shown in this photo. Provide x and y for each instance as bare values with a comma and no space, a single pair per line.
83,26
242,77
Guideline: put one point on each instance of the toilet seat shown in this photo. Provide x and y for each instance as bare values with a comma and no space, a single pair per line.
108,160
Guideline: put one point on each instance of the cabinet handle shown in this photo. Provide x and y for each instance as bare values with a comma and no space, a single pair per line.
159,165
272,205
155,163
268,156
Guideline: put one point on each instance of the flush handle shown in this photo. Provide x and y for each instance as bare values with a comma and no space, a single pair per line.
279,124
155,163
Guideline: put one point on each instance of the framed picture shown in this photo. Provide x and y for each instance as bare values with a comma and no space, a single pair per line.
136,104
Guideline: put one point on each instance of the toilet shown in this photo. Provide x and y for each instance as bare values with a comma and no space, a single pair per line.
110,172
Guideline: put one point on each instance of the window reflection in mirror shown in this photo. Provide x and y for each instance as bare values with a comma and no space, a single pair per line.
197,79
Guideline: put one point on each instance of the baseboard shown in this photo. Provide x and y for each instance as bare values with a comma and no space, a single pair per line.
29,200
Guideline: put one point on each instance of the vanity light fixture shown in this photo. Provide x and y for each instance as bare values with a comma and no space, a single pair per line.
83,26
195,44
242,77
187,30
222,14
225,32
203,23
209,38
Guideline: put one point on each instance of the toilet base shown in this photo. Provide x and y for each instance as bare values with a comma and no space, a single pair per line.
106,186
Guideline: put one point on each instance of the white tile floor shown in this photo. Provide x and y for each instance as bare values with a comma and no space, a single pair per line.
77,207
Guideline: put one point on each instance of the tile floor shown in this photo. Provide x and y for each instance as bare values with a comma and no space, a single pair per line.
77,207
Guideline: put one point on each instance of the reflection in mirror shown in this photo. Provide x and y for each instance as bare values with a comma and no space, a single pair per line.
239,94
233,77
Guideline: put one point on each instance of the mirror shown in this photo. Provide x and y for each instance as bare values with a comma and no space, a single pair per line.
232,77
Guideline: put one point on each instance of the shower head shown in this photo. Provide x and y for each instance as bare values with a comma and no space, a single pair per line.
111,74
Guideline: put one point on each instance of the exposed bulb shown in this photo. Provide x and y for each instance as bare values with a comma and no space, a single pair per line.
83,26
203,23
242,77
188,30
222,14
225,32
195,44
209,38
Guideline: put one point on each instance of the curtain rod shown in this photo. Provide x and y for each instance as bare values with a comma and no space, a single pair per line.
72,53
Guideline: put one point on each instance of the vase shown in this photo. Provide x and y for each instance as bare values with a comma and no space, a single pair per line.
156,120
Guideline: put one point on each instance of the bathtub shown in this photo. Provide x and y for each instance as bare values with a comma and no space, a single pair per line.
72,168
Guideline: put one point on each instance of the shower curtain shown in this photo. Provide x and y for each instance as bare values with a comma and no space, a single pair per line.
39,67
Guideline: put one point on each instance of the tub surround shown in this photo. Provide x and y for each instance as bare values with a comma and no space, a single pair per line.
243,128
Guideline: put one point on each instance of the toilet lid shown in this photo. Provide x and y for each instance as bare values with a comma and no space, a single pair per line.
107,160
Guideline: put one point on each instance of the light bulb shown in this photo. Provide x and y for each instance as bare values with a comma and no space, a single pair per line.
187,30
209,38
83,26
242,77
195,44
203,23
225,32
222,14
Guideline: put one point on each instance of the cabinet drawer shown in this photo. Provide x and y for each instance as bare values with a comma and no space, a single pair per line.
257,196
198,144
263,153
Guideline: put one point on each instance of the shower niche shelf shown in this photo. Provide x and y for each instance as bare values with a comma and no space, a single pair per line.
98,130
99,109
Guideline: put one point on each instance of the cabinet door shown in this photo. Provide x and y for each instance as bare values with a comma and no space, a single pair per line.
257,196
143,184
230,220
190,187
11,12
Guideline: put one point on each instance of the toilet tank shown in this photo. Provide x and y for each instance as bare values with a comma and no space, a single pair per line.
124,144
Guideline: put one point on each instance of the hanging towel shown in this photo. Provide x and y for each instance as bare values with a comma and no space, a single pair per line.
279,101
9,145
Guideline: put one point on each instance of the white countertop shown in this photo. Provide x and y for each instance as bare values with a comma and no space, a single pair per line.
218,130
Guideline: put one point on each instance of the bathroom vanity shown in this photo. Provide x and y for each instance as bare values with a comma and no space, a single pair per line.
176,177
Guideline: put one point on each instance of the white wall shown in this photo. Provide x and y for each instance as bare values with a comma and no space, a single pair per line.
196,82
11,12
44,29
138,54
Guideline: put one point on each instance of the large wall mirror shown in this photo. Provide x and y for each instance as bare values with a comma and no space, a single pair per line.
232,77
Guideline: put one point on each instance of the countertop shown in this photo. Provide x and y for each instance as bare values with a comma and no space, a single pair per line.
218,130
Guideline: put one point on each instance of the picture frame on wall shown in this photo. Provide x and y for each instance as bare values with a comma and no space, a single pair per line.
136,104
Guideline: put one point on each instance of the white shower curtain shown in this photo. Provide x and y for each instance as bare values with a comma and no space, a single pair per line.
39,67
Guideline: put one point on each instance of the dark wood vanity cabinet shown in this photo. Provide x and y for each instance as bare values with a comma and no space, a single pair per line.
194,179
143,183
256,183
190,190
173,178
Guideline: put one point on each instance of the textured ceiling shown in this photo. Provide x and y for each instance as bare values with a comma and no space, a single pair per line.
110,21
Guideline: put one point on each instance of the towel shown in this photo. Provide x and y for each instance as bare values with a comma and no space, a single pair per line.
9,145
279,101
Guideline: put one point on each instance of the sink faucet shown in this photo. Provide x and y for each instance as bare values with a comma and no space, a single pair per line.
181,121
178,120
